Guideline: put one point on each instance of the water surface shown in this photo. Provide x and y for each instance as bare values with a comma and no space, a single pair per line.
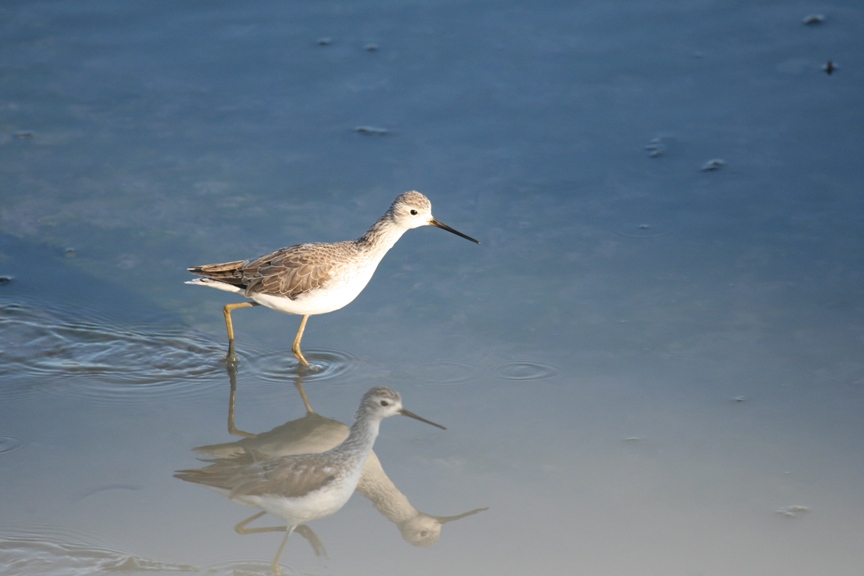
647,366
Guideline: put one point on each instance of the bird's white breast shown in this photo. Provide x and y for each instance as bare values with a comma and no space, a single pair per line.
337,293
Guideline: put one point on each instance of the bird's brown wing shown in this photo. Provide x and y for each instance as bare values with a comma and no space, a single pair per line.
288,272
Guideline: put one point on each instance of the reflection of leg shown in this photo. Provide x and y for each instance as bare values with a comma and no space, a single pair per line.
310,536
275,564
232,429
299,385
296,347
231,357
303,530
240,528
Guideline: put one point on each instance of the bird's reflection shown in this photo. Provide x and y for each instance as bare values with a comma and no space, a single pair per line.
312,434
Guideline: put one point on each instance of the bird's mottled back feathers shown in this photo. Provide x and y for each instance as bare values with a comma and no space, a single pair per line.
288,272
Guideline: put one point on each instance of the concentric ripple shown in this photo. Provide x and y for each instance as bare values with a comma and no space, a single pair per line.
104,360
527,371
277,365
445,373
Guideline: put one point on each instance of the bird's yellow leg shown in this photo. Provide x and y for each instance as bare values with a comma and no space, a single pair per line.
231,357
296,347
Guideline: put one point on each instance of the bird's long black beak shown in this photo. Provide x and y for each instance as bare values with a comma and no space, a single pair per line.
410,414
434,222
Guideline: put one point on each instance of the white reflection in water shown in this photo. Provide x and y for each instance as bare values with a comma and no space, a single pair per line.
231,465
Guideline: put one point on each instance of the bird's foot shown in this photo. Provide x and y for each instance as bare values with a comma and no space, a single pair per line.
231,360
299,355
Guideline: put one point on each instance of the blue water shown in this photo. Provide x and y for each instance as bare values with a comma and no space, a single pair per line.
647,366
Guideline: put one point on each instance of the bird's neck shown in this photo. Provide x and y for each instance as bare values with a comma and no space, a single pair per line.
361,437
382,235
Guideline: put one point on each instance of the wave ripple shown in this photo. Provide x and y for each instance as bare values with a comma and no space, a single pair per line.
103,359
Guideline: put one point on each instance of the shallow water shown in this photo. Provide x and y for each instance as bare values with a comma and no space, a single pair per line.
646,367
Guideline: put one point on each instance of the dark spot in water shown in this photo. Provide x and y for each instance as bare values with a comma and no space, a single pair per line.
4,280
713,164
813,19
9,444
643,229
829,67
655,148
372,130
793,511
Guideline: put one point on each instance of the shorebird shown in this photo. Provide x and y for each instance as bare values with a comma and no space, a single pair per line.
316,278
306,487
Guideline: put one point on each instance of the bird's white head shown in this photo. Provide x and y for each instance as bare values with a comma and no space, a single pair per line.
412,210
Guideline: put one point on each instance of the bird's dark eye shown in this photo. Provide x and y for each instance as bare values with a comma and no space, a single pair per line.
384,403
413,212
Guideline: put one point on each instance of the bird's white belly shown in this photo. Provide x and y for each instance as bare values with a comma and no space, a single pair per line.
332,296
335,294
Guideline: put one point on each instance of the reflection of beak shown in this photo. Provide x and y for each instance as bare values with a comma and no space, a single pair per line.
410,414
445,519
434,222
